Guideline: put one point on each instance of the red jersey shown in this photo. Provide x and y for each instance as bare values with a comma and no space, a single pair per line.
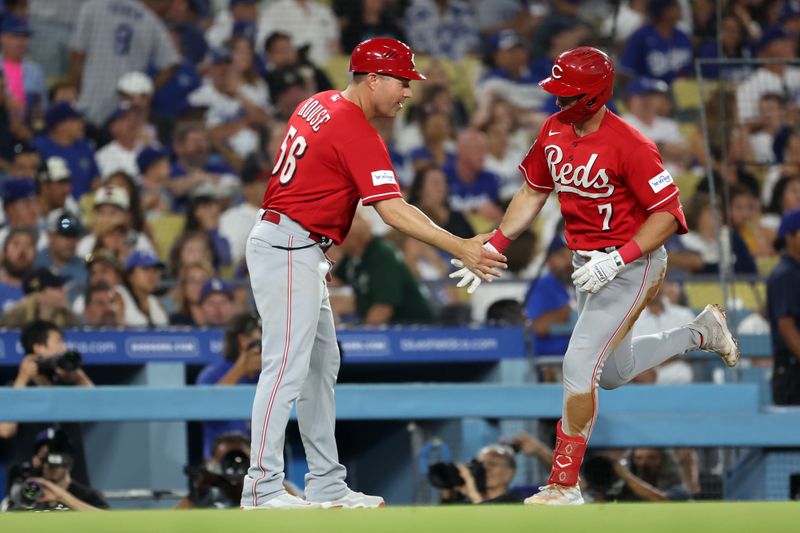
331,157
608,182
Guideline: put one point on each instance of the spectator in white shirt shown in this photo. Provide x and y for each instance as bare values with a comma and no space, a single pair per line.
236,221
143,271
125,125
308,22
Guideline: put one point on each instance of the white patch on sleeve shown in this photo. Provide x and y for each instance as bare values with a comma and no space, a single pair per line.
383,177
658,182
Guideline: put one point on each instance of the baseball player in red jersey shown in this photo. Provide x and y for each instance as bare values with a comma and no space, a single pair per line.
620,206
330,158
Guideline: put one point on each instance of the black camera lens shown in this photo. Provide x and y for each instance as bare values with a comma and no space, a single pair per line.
234,464
70,361
31,491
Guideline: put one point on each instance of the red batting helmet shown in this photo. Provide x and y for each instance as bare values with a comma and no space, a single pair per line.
385,56
582,71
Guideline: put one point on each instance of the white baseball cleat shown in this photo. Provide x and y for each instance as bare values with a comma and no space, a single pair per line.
354,500
555,494
711,324
283,501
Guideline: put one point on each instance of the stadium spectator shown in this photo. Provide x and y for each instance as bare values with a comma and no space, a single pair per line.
368,19
437,148
472,189
184,16
496,15
143,271
385,290
63,231
13,129
191,279
203,215
25,160
104,307
236,221
53,182
170,100
105,268
659,49
19,253
428,192
193,165
310,23
643,100
136,89
240,365
111,39
137,219
779,77
239,11
510,77
25,81
125,125
745,217
45,299
785,197
217,304
771,129
20,204
623,21
736,44
442,28
113,210
65,137
154,169
651,475
191,247
788,168
502,158
282,58
550,300
56,458
783,304
500,465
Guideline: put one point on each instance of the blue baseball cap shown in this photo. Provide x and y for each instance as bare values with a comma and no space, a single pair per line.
640,86
15,189
215,286
58,113
42,278
15,25
776,32
790,223
556,244
148,157
142,259
504,40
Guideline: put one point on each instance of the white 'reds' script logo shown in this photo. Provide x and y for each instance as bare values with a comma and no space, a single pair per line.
578,180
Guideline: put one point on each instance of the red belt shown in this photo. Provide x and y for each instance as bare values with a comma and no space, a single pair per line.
273,217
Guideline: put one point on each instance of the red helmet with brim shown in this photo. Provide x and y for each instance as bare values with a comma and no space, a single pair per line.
385,56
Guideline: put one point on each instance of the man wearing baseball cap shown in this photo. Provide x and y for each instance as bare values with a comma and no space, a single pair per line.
783,307
20,205
63,232
54,185
65,137
46,299
217,302
125,126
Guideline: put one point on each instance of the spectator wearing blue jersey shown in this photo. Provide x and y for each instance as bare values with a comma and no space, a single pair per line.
548,302
472,189
65,137
171,99
736,44
184,16
442,28
659,49
510,77
240,365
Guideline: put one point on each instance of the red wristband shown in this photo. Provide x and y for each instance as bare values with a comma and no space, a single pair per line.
500,241
630,251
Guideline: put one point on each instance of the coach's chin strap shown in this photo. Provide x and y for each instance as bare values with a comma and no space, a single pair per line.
567,458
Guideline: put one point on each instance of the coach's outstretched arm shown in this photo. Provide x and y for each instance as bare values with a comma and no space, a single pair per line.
519,216
411,221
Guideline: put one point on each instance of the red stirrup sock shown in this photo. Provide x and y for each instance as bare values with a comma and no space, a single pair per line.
567,458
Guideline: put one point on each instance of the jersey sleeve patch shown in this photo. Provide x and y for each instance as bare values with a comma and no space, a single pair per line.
383,177
660,181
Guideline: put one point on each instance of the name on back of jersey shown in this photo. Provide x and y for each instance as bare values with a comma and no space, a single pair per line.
578,179
314,113
660,181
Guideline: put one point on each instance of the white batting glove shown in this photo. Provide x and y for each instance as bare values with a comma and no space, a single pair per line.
468,277
598,271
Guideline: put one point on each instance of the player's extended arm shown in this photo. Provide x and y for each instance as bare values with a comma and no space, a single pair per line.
411,221
603,267
521,212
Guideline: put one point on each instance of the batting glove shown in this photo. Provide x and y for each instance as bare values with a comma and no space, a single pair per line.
598,271
468,277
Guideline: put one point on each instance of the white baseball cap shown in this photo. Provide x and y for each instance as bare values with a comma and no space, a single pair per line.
55,169
134,83
112,195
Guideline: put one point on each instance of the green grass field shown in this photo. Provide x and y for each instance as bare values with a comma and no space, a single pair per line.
726,517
